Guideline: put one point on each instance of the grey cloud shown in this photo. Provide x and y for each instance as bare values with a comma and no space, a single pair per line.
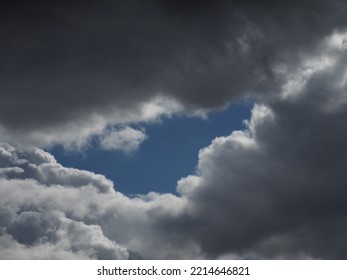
64,63
276,190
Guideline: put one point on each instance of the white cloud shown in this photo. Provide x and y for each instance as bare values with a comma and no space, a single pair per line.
50,211
125,139
51,235
322,60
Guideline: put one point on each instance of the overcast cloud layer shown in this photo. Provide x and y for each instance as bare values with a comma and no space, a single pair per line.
274,190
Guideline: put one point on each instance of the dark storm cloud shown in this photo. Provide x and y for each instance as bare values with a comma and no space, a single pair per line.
63,62
277,189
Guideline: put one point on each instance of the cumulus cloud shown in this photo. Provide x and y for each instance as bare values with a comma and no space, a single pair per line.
33,226
276,189
36,221
42,167
52,212
50,235
126,139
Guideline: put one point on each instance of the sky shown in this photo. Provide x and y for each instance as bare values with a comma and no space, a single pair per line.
173,129
169,152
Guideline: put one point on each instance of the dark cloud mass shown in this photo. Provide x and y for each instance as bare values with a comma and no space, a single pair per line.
64,62
277,189
273,190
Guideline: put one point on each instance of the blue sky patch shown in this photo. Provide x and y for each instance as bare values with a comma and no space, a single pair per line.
169,153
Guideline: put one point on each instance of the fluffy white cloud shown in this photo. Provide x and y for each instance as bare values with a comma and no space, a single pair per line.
49,211
125,139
